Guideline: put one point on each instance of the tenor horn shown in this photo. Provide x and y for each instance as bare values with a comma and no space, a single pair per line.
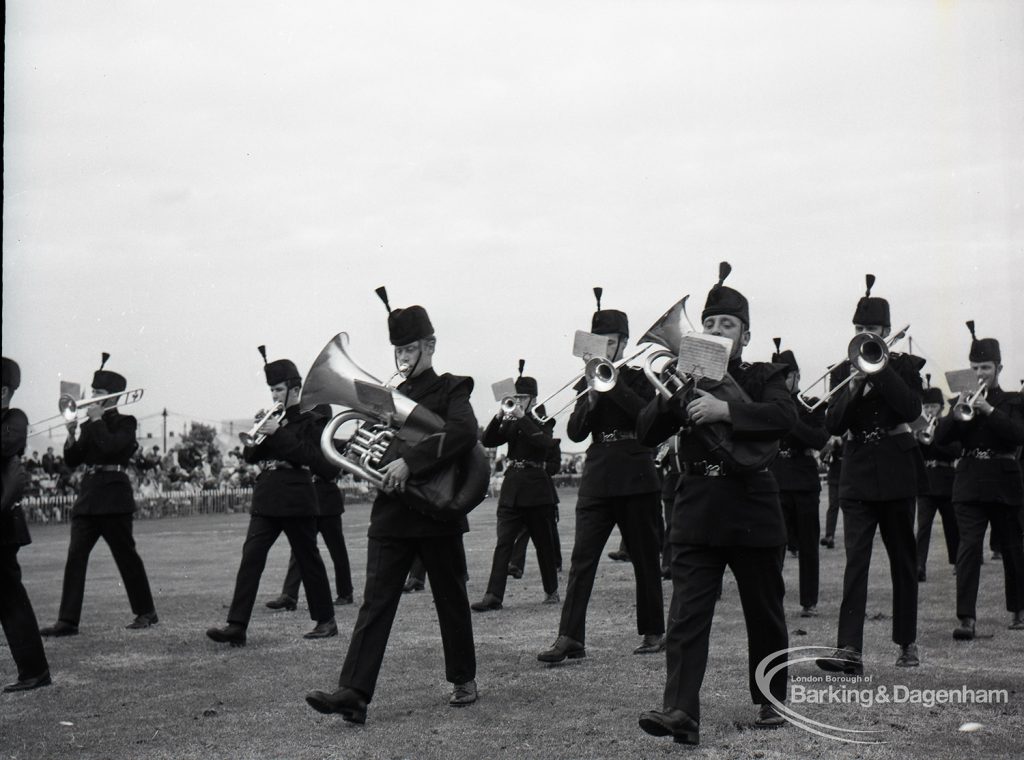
383,415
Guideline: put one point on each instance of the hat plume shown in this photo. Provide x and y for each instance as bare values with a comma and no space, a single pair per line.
382,294
263,352
103,359
870,280
724,268
597,295
522,364
970,326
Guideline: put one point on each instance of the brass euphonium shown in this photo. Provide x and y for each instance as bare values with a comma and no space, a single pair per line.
384,414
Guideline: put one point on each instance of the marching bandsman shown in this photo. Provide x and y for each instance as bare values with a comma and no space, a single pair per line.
105,505
398,533
881,476
528,497
988,485
283,501
723,516
939,461
330,503
619,487
796,471
16,614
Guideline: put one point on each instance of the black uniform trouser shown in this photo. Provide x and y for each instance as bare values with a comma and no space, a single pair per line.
832,513
328,526
518,558
972,518
927,506
801,510
895,520
18,619
667,503
538,522
387,563
696,579
116,530
637,517
263,532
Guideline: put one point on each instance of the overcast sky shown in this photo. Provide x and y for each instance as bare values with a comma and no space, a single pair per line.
184,181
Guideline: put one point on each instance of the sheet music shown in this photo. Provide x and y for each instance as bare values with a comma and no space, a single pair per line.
962,380
588,345
704,355
503,388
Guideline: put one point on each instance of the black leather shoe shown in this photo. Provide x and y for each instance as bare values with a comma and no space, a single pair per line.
342,600
908,657
232,633
1017,624
413,584
769,717
143,621
283,602
675,723
843,660
619,556
922,576
60,628
515,571
652,644
552,598
828,542
964,631
323,630
809,611
345,701
563,648
488,603
463,694
27,684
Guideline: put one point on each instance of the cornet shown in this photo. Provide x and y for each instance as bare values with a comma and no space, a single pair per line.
927,434
867,353
69,406
964,411
254,437
508,406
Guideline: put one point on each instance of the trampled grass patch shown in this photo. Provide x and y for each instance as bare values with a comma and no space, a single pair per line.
169,692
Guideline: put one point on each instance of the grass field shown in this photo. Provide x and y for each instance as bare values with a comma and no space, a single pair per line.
169,692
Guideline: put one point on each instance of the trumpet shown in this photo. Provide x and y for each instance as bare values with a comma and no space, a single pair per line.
69,406
867,353
927,434
508,406
254,437
964,411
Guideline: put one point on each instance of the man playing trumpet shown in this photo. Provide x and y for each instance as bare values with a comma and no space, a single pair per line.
938,463
989,423
287,447
619,487
104,507
880,479
528,497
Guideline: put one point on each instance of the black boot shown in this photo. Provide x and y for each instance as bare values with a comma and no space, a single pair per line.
349,703
232,633
675,723
563,648
964,631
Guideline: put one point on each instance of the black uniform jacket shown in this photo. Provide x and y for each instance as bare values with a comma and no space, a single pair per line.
889,466
329,498
13,528
998,478
528,441
285,488
448,397
795,468
939,459
739,509
110,440
621,467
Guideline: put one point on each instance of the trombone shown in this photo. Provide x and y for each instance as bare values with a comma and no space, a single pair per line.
69,406
602,375
867,353
254,437
964,411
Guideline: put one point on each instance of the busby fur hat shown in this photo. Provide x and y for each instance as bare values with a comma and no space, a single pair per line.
932,395
406,325
11,374
871,310
786,357
279,370
106,380
984,349
725,300
608,321
526,386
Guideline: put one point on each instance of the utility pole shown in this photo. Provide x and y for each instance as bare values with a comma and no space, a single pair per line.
165,430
